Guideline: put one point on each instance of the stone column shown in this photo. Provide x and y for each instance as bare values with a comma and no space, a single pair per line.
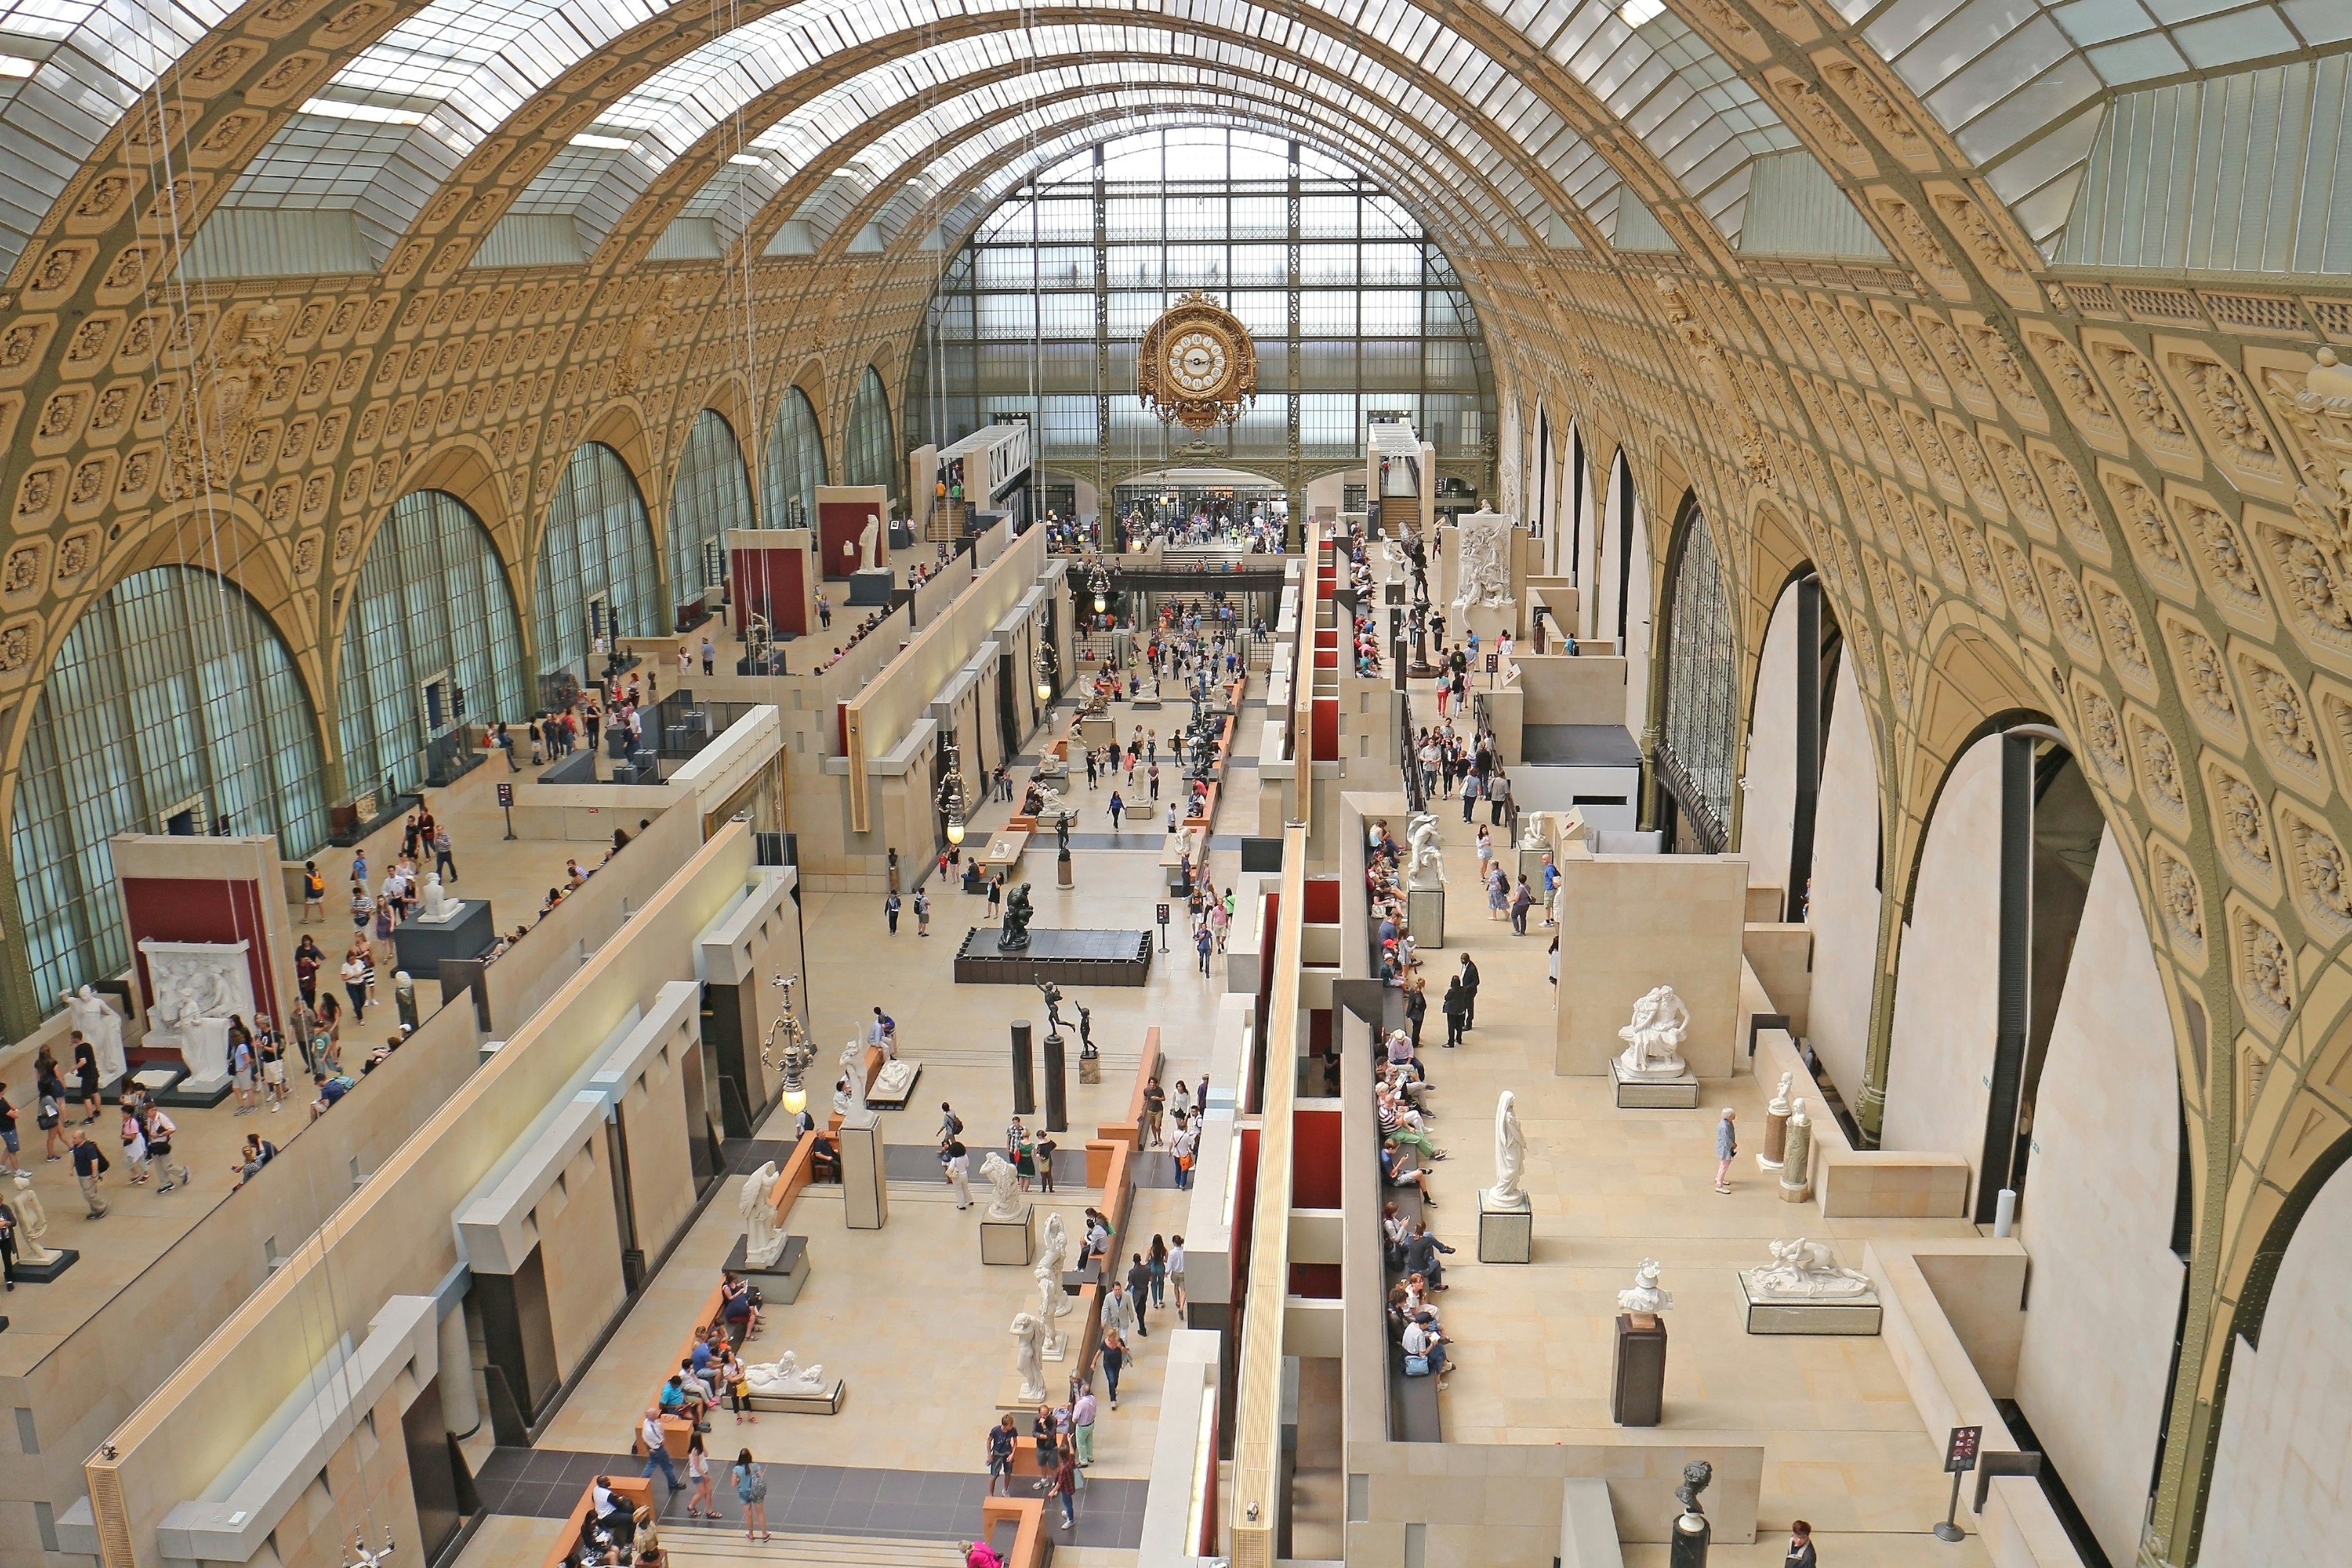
1024,1083
461,1410
1797,1159
1776,1128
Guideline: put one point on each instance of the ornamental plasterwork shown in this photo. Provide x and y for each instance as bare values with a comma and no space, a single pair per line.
1913,352
2204,680
2178,901
2024,597
2223,561
2323,877
2101,733
2227,418
2149,532
2002,373
2154,424
2159,767
2281,723
2086,406
2068,612
2265,975
2119,631
2240,827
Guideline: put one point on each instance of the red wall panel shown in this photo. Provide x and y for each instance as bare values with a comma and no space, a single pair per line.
1315,1159
769,580
183,908
841,523
1322,900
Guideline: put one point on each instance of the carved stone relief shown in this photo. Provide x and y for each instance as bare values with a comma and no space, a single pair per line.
2265,975
2240,827
2149,532
2002,373
2069,613
2154,424
2177,899
2160,768
2086,406
2119,630
2309,584
2204,680
2227,419
2101,733
2283,727
2024,596
2322,874
2223,561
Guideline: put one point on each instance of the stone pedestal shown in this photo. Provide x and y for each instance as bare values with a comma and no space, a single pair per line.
60,1258
1062,871
1506,1234
1424,912
1090,1069
1009,1242
1680,1093
819,1399
1797,1160
864,1190
1057,1083
781,1281
1024,1081
872,587
1637,1382
1853,1315
1776,1140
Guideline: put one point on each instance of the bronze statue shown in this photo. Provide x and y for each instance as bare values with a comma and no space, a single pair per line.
1018,913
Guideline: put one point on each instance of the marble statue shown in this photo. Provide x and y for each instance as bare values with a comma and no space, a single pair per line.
1018,912
762,1242
1653,1040
895,1078
1054,1256
1531,836
437,902
1645,1295
1483,562
1029,1333
101,1025
198,987
1004,1200
1510,1156
869,543
1779,1106
853,1073
31,1221
1803,1270
1424,862
786,1376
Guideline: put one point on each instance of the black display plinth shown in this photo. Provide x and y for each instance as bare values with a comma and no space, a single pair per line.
62,1259
1637,1384
421,945
1065,957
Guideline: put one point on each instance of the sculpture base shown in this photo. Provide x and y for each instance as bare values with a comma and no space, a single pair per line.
871,586
1009,1242
1652,1093
1090,1069
1065,957
196,1093
1008,1397
469,932
156,1080
823,1400
1637,1378
1424,916
1506,1235
893,1085
1853,1315
781,1281
60,1259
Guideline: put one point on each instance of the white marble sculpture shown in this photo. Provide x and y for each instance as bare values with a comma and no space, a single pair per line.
786,1376
1029,1333
1052,1299
437,902
1531,836
896,1076
1004,1200
1779,1106
1426,863
1653,1040
762,1242
853,1072
1482,561
1510,1156
1803,1270
198,987
869,543
101,1025
31,1221
1645,1295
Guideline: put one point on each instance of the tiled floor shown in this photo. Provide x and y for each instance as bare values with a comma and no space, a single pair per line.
1844,1446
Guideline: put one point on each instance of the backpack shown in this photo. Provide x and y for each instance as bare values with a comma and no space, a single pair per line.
753,1486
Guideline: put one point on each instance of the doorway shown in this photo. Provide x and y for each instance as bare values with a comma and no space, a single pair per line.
185,820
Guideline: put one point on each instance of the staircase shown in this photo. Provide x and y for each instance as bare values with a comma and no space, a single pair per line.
698,1548
947,522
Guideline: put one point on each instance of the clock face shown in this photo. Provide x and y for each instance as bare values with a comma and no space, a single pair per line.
1197,361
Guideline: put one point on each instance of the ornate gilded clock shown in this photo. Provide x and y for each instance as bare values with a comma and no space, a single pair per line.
1197,366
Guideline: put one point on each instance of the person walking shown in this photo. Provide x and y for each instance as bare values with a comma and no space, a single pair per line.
1469,994
1113,1354
1801,1546
134,1147
1118,805
1498,796
1139,1287
1155,1103
1176,1271
891,912
1082,1422
1469,796
1156,1261
445,855
709,654
1118,1312
1522,899
1205,944
751,1491
1727,1148
85,1062
1455,1007
49,1091
649,1433
1041,1150
959,1169
314,893
922,913
8,1129
1000,1440
1065,1487
355,975
9,1246
698,1475
89,1163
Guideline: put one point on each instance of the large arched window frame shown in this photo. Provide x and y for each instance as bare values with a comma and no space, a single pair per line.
432,606
173,694
1699,741
796,464
867,451
711,495
598,549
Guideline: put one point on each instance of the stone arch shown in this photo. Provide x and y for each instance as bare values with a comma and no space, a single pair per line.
1696,708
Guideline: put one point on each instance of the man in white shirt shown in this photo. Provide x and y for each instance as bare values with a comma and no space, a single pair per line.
649,1433
1422,1339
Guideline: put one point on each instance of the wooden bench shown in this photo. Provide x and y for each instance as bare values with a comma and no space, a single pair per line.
637,1489
676,1429
1031,1546
1413,1413
1129,1128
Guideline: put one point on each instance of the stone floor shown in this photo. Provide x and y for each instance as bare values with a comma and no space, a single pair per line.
1844,1446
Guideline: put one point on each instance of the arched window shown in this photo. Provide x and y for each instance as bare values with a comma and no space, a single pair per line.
867,456
174,704
432,642
1696,751
712,495
597,563
796,464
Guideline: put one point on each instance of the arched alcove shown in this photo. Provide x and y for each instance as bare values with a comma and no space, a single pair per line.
796,464
869,453
712,494
596,573
174,704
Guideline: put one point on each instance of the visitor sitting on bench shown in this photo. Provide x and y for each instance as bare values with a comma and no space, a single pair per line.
1424,1349
739,1307
1399,1169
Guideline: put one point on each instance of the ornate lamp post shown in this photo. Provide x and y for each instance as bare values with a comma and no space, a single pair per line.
366,1558
794,1053
1049,674
951,801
